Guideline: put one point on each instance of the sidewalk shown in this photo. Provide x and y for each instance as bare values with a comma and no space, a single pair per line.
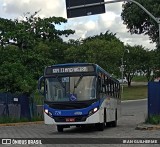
143,126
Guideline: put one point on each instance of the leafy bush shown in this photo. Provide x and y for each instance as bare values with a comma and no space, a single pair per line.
153,119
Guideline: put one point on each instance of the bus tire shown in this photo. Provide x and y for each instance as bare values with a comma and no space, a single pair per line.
100,126
59,128
114,123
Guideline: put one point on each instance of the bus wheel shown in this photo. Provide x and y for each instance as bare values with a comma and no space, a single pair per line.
100,126
59,128
114,123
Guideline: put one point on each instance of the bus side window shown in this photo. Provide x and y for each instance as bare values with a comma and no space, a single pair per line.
117,90
111,88
103,84
99,84
110,85
114,92
108,88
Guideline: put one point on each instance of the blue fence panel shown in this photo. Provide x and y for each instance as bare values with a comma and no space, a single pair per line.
154,98
6,98
24,102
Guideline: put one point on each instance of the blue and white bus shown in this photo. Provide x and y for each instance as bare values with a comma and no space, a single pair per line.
79,94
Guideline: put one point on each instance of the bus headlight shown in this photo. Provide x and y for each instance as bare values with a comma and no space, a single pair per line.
93,111
46,111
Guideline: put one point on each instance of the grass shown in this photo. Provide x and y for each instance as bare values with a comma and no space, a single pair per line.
154,119
139,79
134,92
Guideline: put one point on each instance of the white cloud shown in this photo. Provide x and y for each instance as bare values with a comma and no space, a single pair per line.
84,26
47,7
114,7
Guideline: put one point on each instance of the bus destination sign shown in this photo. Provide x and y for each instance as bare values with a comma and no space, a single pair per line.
60,70
70,69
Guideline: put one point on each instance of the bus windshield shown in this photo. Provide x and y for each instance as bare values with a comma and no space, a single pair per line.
79,88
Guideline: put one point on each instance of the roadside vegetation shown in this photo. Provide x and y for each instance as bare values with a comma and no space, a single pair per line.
154,119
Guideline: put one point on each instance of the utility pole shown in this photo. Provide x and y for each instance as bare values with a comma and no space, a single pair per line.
122,71
159,31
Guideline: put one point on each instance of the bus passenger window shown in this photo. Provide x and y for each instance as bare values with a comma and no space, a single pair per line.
99,84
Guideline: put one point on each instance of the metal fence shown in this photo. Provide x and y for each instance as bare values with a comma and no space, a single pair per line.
19,106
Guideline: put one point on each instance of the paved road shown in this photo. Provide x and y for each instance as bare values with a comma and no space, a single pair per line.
132,114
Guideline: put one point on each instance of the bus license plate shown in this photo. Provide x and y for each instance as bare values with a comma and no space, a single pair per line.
70,119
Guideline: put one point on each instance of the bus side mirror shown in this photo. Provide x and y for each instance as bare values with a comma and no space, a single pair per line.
40,88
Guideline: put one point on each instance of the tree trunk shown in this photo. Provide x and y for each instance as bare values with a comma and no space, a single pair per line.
129,83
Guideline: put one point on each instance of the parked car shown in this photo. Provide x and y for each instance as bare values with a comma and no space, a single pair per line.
124,80
157,79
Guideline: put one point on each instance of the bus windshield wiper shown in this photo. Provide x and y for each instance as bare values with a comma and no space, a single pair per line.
79,80
60,82
76,85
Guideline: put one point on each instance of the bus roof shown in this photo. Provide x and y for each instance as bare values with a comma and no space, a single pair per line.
71,64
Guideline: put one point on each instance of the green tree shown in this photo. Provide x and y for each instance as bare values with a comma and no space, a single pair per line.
36,59
14,76
105,53
108,36
27,46
148,64
133,61
26,33
138,22
104,49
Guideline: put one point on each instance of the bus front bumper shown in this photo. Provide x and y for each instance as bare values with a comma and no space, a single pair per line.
94,118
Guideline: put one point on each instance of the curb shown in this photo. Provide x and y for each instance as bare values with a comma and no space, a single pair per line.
144,126
125,101
22,123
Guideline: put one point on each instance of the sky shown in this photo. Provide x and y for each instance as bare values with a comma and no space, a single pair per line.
84,26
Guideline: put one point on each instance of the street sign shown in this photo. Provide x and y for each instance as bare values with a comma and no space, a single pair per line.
121,69
73,10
